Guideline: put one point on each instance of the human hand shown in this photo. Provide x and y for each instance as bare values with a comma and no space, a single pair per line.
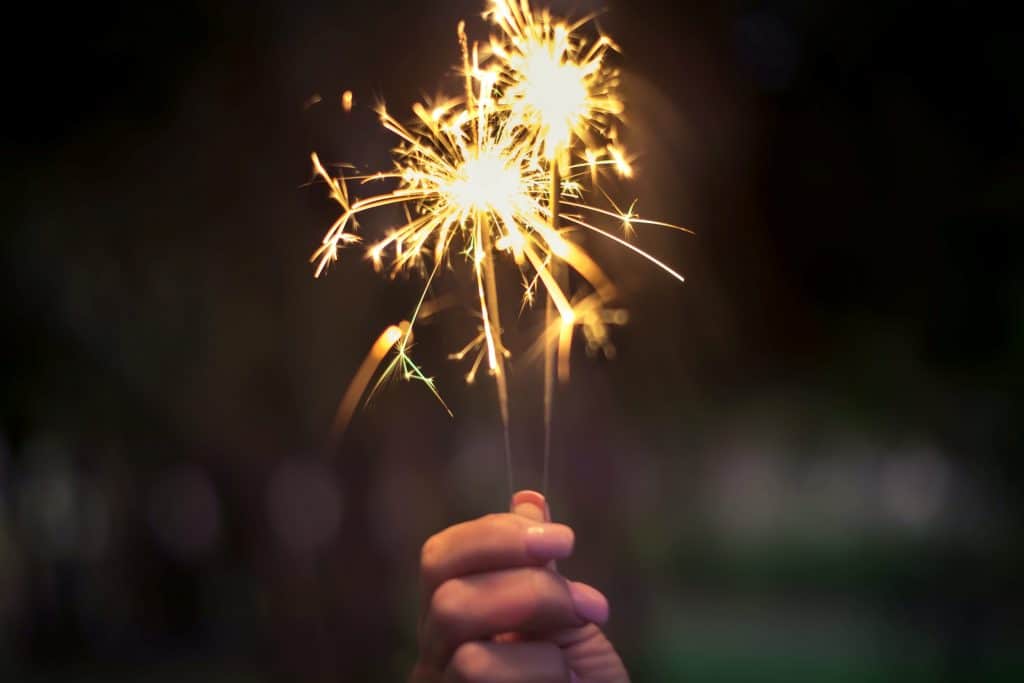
496,611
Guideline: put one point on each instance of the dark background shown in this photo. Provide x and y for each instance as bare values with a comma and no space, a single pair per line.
803,465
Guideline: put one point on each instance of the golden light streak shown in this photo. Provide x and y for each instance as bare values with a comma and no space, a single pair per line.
564,350
622,165
311,100
350,401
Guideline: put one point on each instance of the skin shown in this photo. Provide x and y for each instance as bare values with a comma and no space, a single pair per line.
496,610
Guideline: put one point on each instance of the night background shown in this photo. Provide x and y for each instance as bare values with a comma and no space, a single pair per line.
803,465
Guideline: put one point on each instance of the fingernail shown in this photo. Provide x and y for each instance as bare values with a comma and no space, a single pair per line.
530,504
549,541
590,604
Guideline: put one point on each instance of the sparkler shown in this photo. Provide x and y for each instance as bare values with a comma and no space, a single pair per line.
501,173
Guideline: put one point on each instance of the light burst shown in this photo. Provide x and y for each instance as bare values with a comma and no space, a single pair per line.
501,174
556,82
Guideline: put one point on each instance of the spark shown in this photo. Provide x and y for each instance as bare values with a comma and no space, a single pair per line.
555,82
485,176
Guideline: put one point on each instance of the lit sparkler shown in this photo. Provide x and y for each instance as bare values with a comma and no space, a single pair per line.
487,176
556,83
556,87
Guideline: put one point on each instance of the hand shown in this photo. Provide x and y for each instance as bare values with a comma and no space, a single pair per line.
496,611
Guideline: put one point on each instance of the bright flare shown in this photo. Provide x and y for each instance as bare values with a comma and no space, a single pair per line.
551,91
485,175
487,183
555,82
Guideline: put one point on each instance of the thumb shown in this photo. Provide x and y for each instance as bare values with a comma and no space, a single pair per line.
590,656
531,505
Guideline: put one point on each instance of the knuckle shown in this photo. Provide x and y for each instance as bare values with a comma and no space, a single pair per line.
470,663
447,603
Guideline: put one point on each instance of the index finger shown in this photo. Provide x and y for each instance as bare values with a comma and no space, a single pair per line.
495,541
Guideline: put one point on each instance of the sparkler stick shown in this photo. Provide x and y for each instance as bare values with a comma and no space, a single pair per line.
489,292
489,175
494,322
549,348
556,87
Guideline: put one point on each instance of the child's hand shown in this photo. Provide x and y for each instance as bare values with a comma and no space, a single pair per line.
496,611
